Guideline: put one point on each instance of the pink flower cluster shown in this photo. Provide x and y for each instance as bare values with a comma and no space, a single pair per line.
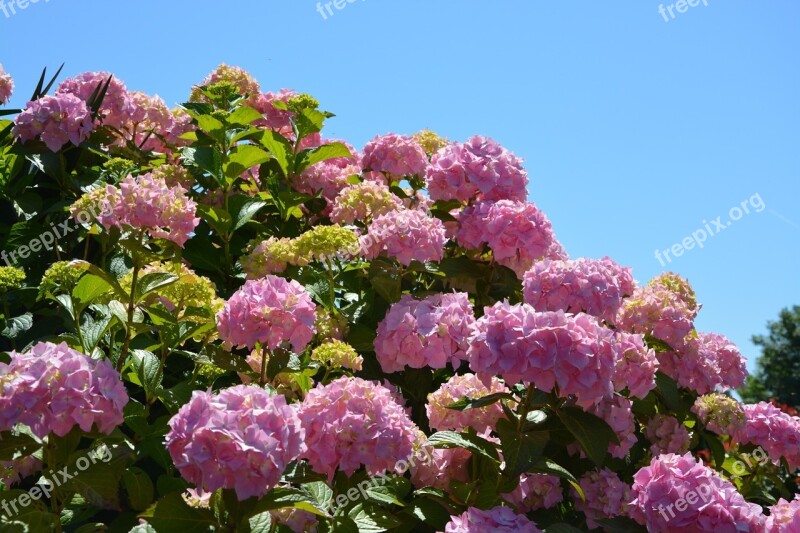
16,470
517,233
117,104
480,167
772,429
536,491
57,120
667,435
328,177
720,413
705,363
148,203
405,235
363,202
464,386
606,496
353,422
595,287
398,155
152,126
443,467
497,520
679,493
617,412
242,439
52,388
275,119
269,311
784,517
519,344
430,332
237,76
636,365
6,86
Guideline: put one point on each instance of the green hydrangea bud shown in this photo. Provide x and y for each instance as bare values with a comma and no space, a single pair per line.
60,278
676,284
330,326
11,278
430,141
302,101
325,242
119,166
338,354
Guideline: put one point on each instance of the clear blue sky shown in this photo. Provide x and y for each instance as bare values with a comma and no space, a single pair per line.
634,130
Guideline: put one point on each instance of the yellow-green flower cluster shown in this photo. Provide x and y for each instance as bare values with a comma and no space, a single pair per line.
339,355
190,290
119,166
430,141
329,326
60,278
676,284
11,278
302,101
89,206
174,175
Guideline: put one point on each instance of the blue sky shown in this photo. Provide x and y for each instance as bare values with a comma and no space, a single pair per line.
636,131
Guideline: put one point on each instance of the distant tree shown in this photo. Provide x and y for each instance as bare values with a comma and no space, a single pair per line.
778,368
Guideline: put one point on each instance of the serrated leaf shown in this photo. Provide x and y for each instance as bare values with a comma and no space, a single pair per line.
242,209
473,443
310,157
476,403
14,445
243,116
89,288
172,513
152,282
139,488
372,519
244,157
279,147
592,432
14,327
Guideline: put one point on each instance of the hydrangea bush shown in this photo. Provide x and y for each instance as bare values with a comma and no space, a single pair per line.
264,329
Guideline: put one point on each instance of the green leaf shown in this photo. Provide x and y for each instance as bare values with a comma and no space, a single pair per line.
212,126
152,282
717,448
243,208
309,121
90,287
667,389
619,524
16,326
244,157
172,513
16,445
310,157
287,498
592,432
243,116
429,512
521,450
321,493
99,484
279,147
546,466
372,519
146,365
216,217
259,523
139,488
473,443
476,403
206,158
108,278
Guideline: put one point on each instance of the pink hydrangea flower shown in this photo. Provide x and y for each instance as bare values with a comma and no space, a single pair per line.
617,412
519,344
117,104
517,233
296,520
636,365
595,287
464,386
352,422
784,517
606,496
536,491
14,471
497,520
237,76
150,124
269,311
275,119
398,155
52,388
720,413
405,235
329,177
442,467
242,439
363,202
57,120
705,363
772,429
6,86
431,332
667,435
679,493
148,203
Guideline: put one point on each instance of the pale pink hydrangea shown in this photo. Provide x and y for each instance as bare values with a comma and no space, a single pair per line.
275,119
328,178
595,287
14,471
405,235
714,507
617,412
784,517
517,233
778,433
398,155
705,363
442,467
497,520
240,78
52,388
117,104
636,365
352,422
519,344
242,439
150,124
464,386
270,311
720,413
536,491
57,120
607,496
181,124
148,203
667,435
6,86
363,202
430,332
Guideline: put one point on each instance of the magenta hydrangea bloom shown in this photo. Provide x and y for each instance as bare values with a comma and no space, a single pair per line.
617,412
352,422
270,311
431,332
117,104
6,86
497,520
519,344
706,362
606,496
595,287
667,435
441,468
679,493
772,429
517,233
242,439
57,120
398,155
52,388
464,386
405,235
636,365
536,491
784,517
148,203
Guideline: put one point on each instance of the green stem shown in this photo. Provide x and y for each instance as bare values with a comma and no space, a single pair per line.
7,316
264,358
131,310
55,499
